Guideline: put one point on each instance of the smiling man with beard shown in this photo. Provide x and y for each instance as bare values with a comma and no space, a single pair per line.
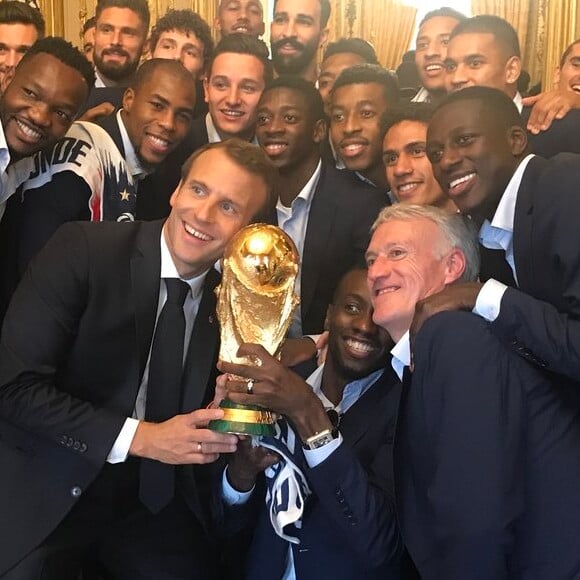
93,172
243,16
298,30
327,212
342,422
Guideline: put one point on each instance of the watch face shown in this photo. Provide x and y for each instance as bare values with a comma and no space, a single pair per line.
320,439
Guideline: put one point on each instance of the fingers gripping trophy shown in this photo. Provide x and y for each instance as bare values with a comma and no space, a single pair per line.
256,302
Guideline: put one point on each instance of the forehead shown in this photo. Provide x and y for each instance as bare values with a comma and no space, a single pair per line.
419,233
168,85
437,26
283,97
483,43
234,65
181,36
354,94
120,17
310,7
405,132
574,52
18,34
340,61
354,282
464,113
240,4
43,68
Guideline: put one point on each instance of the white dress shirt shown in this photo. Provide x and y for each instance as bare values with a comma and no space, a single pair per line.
4,161
212,133
498,235
294,221
120,448
401,355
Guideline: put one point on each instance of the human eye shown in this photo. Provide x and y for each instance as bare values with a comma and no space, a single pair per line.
445,41
396,253
476,63
156,105
2,49
63,116
352,307
422,45
105,28
465,139
450,66
435,154
418,150
367,113
390,159
290,118
29,93
219,84
249,88
338,117
229,208
370,260
279,19
263,119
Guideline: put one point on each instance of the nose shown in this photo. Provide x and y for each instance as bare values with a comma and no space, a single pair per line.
457,79
275,126
288,29
233,96
205,211
39,114
166,120
116,39
449,158
403,166
351,124
12,59
378,269
433,50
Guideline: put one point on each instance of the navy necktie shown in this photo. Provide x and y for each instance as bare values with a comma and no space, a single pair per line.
157,480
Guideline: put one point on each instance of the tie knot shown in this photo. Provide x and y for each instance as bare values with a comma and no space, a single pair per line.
176,290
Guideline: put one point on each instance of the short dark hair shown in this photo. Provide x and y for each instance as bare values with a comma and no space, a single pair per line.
148,68
362,74
307,89
498,107
90,23
357,46
186,21
567,52
443,12
250,157
419,112
501,29
14,12
140,7
66,53
324,12
240,43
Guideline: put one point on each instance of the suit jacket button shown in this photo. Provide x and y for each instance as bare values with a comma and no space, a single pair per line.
76,491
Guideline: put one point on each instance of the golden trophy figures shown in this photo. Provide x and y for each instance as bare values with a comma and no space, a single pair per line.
256,302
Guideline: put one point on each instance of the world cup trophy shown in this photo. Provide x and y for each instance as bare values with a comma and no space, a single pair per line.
256,302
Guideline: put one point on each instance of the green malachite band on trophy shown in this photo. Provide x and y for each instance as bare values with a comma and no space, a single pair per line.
244,420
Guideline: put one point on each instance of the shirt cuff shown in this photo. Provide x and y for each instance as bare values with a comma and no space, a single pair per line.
122,444
315,457
232,496
488,301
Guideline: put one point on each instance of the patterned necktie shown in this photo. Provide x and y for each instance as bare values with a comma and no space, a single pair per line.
157,480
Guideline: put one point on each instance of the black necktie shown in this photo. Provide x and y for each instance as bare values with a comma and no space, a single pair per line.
157,480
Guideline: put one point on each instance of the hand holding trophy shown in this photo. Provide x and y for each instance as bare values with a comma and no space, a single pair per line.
256,301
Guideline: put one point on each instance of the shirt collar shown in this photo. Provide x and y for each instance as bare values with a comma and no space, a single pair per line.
518,102
423,96
212,133
308,190
134,165
99,82
4,151
504,216
168,269
353,391
401,355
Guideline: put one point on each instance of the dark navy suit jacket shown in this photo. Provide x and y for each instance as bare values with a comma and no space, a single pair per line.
349,528
486,461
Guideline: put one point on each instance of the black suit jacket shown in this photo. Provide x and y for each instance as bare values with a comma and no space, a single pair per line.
349,529
156,189
337,235
541,318
73,351
563,136
486,460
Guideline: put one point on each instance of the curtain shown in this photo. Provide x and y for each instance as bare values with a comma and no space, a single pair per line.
387,24
53,12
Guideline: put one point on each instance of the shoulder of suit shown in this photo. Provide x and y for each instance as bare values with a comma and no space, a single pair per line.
349,187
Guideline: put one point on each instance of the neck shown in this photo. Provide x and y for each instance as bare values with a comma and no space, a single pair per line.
376,175
293,180
309,73
333,382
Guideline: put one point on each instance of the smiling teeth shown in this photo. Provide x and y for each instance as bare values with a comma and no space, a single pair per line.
461,180
407,187
576,88
433,67
197,234
159,142
231,113
29,131
386,290
358,345
275,148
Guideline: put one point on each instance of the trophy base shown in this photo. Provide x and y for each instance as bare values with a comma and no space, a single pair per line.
248,420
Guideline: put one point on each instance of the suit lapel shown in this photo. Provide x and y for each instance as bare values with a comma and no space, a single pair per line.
201,356
374,403
523,222
318,239
145,280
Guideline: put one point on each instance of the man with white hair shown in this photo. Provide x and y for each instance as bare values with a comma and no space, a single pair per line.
486,462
